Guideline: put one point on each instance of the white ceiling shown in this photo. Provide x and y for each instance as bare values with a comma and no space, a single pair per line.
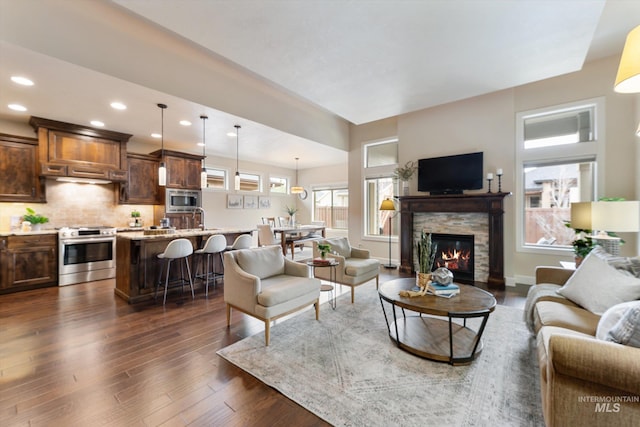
361,60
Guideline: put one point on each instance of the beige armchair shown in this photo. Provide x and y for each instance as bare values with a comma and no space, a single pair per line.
355,266
262,283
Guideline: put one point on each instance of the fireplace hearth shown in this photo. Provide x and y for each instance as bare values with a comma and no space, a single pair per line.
455,252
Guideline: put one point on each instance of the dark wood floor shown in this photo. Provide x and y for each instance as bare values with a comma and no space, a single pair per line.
80,356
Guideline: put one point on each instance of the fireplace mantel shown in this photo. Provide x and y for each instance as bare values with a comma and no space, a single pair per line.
490,203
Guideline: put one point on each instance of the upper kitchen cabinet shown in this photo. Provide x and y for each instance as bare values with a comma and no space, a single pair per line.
68,150
142,186
183,170
19,170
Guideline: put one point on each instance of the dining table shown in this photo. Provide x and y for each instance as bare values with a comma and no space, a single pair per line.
290,236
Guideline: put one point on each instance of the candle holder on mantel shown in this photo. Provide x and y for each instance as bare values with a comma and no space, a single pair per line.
489,179
499,181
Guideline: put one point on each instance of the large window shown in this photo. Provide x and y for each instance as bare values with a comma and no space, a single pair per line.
558,151
331,206
380,159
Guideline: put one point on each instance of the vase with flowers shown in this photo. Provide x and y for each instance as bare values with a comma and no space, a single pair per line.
292,212
404,174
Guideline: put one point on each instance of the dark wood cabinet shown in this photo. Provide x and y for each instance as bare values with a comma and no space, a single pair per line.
184,221
19,170
183,170
28,262
80,152
142,186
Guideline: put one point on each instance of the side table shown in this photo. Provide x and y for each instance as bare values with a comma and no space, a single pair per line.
331,264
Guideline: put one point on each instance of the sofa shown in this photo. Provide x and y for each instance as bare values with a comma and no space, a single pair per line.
264,284
355,266
586,324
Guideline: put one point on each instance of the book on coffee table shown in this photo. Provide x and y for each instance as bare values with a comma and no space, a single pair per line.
443,290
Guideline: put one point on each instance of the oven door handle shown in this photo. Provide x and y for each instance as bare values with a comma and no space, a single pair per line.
81,241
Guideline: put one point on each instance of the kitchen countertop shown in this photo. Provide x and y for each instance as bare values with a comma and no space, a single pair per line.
139,235
27,233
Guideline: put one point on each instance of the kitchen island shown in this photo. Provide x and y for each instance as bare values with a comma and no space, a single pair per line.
137,264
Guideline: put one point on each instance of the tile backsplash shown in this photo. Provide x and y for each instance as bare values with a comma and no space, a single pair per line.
71,204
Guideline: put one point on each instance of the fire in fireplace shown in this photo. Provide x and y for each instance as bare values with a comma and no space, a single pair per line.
455,252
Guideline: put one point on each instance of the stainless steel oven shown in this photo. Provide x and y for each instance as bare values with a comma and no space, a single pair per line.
86,254
180,201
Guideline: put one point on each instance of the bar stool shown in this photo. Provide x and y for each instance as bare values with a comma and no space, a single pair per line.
215,244
176,249
243,241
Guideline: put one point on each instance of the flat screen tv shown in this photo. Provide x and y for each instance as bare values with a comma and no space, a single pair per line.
450,174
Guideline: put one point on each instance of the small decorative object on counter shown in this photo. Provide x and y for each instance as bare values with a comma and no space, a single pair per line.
35,219
137,221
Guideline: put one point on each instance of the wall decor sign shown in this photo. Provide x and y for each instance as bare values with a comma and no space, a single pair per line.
251,202
234,201
264,202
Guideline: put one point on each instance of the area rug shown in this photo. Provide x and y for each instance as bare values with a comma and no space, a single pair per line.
345,369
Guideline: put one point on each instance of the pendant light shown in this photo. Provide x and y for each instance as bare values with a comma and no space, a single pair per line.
237,178
203,173
162,170
297,189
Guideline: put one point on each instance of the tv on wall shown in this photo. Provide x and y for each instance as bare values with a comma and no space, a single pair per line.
450,174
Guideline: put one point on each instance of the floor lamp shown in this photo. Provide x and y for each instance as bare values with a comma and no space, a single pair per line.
387,205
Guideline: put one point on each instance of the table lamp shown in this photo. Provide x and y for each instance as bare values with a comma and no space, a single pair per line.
387,205
601,217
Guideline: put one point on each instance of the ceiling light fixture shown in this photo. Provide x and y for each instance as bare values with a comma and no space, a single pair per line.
97,123
628,78
186,122
22,80
237,178
203,173
17,107
118,106
162,170
296,189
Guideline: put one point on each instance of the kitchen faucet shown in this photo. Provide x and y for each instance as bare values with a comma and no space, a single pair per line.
201,219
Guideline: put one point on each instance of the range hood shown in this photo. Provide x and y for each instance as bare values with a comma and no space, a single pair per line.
83,153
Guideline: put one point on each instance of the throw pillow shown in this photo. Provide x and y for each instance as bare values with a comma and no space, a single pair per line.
597,286
341,246
627,330
630,265
611,317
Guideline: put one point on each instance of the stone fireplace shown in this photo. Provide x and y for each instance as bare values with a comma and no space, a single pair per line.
479,215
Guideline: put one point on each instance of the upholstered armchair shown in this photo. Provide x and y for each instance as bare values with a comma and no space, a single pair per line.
262,283
355,265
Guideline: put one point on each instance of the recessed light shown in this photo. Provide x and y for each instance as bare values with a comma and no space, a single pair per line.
17,107
185,122
118,106
231,134
200,144
156,135
22,80
97,123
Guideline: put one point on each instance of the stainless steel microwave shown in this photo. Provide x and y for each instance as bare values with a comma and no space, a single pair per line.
177,201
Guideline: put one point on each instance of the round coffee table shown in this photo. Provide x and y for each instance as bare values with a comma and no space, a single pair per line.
431,336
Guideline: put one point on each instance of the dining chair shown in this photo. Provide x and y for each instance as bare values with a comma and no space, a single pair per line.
266,236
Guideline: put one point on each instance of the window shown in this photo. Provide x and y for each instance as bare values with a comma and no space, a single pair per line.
380,159
249,182
278,185
332,207
216,178
558,151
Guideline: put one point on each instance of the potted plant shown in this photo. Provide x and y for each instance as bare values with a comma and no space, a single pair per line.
324,249
35,219
291,211
426,252
404,174
137,221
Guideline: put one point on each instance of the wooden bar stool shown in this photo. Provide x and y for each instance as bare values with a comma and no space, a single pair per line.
215,245
176,249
